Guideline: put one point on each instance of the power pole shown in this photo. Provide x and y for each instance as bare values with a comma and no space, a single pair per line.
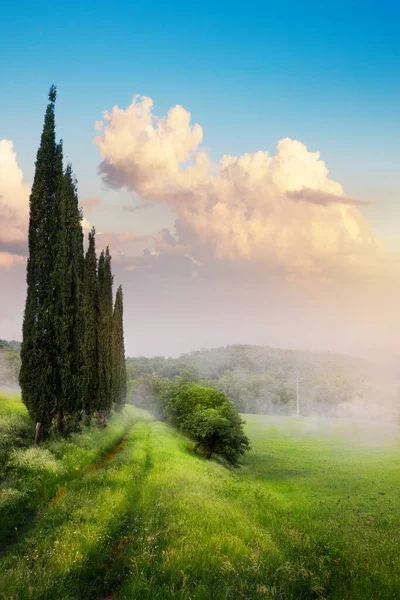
297,396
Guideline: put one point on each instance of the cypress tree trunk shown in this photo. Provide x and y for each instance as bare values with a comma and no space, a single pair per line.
37,375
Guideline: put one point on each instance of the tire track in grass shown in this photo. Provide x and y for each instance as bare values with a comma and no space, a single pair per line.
33,513
113,569
77,549
118,551
106,568
103,462
109,456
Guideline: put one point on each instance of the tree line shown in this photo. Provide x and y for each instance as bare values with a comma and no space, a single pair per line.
10,362
263,380
72,353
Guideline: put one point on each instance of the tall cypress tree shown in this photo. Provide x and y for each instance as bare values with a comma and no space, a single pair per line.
105,335
72,281
37,376
118,367
91,326
68,344
56,293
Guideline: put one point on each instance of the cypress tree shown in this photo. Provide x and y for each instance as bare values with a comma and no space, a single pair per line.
105,335
37,376
72,281
91,325
56,297
119,367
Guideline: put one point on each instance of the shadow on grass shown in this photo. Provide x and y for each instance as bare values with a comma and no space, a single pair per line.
105,566
21,517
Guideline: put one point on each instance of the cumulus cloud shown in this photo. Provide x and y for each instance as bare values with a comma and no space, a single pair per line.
144,153
282,212
14,208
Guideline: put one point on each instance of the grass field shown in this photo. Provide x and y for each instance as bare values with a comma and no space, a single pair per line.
130,512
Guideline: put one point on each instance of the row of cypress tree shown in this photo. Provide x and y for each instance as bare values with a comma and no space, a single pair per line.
72,353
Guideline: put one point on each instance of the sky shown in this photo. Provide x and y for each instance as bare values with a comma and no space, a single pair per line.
240,160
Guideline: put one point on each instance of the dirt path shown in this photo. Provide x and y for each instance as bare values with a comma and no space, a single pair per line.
104,462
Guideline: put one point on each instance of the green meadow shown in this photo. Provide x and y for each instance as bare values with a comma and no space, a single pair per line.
131,512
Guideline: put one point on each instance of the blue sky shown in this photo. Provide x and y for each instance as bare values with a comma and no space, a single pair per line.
327,74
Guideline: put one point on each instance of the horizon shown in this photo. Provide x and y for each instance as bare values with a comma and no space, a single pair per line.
227,346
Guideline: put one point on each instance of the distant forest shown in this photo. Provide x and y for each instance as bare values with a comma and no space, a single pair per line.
263,379
10,362
258,379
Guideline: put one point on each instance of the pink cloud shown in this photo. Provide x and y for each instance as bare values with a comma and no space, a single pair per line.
280,212
14,208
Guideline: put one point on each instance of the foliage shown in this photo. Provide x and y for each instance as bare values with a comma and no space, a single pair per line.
167,368
119,383
10,364
90,336
218,431
73,310
152,393
185,398
39,375
105,340
263,380
202,413
68,343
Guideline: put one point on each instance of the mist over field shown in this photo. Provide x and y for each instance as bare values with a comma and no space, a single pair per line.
263,380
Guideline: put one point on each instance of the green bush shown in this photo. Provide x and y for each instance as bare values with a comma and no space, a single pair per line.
218,430
184,398
210,419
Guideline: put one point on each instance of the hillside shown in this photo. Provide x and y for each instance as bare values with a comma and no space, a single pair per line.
263,379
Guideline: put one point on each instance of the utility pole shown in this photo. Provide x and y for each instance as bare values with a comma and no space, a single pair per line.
297,395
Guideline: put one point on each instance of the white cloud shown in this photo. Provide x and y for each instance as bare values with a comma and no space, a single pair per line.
281,212
14,207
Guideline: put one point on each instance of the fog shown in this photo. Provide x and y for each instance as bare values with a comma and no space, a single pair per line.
168,315
354,432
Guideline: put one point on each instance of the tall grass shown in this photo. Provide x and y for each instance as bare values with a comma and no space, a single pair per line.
310,515
29,476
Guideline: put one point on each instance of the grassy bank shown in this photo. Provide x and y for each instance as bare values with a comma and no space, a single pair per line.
30,477
313,513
